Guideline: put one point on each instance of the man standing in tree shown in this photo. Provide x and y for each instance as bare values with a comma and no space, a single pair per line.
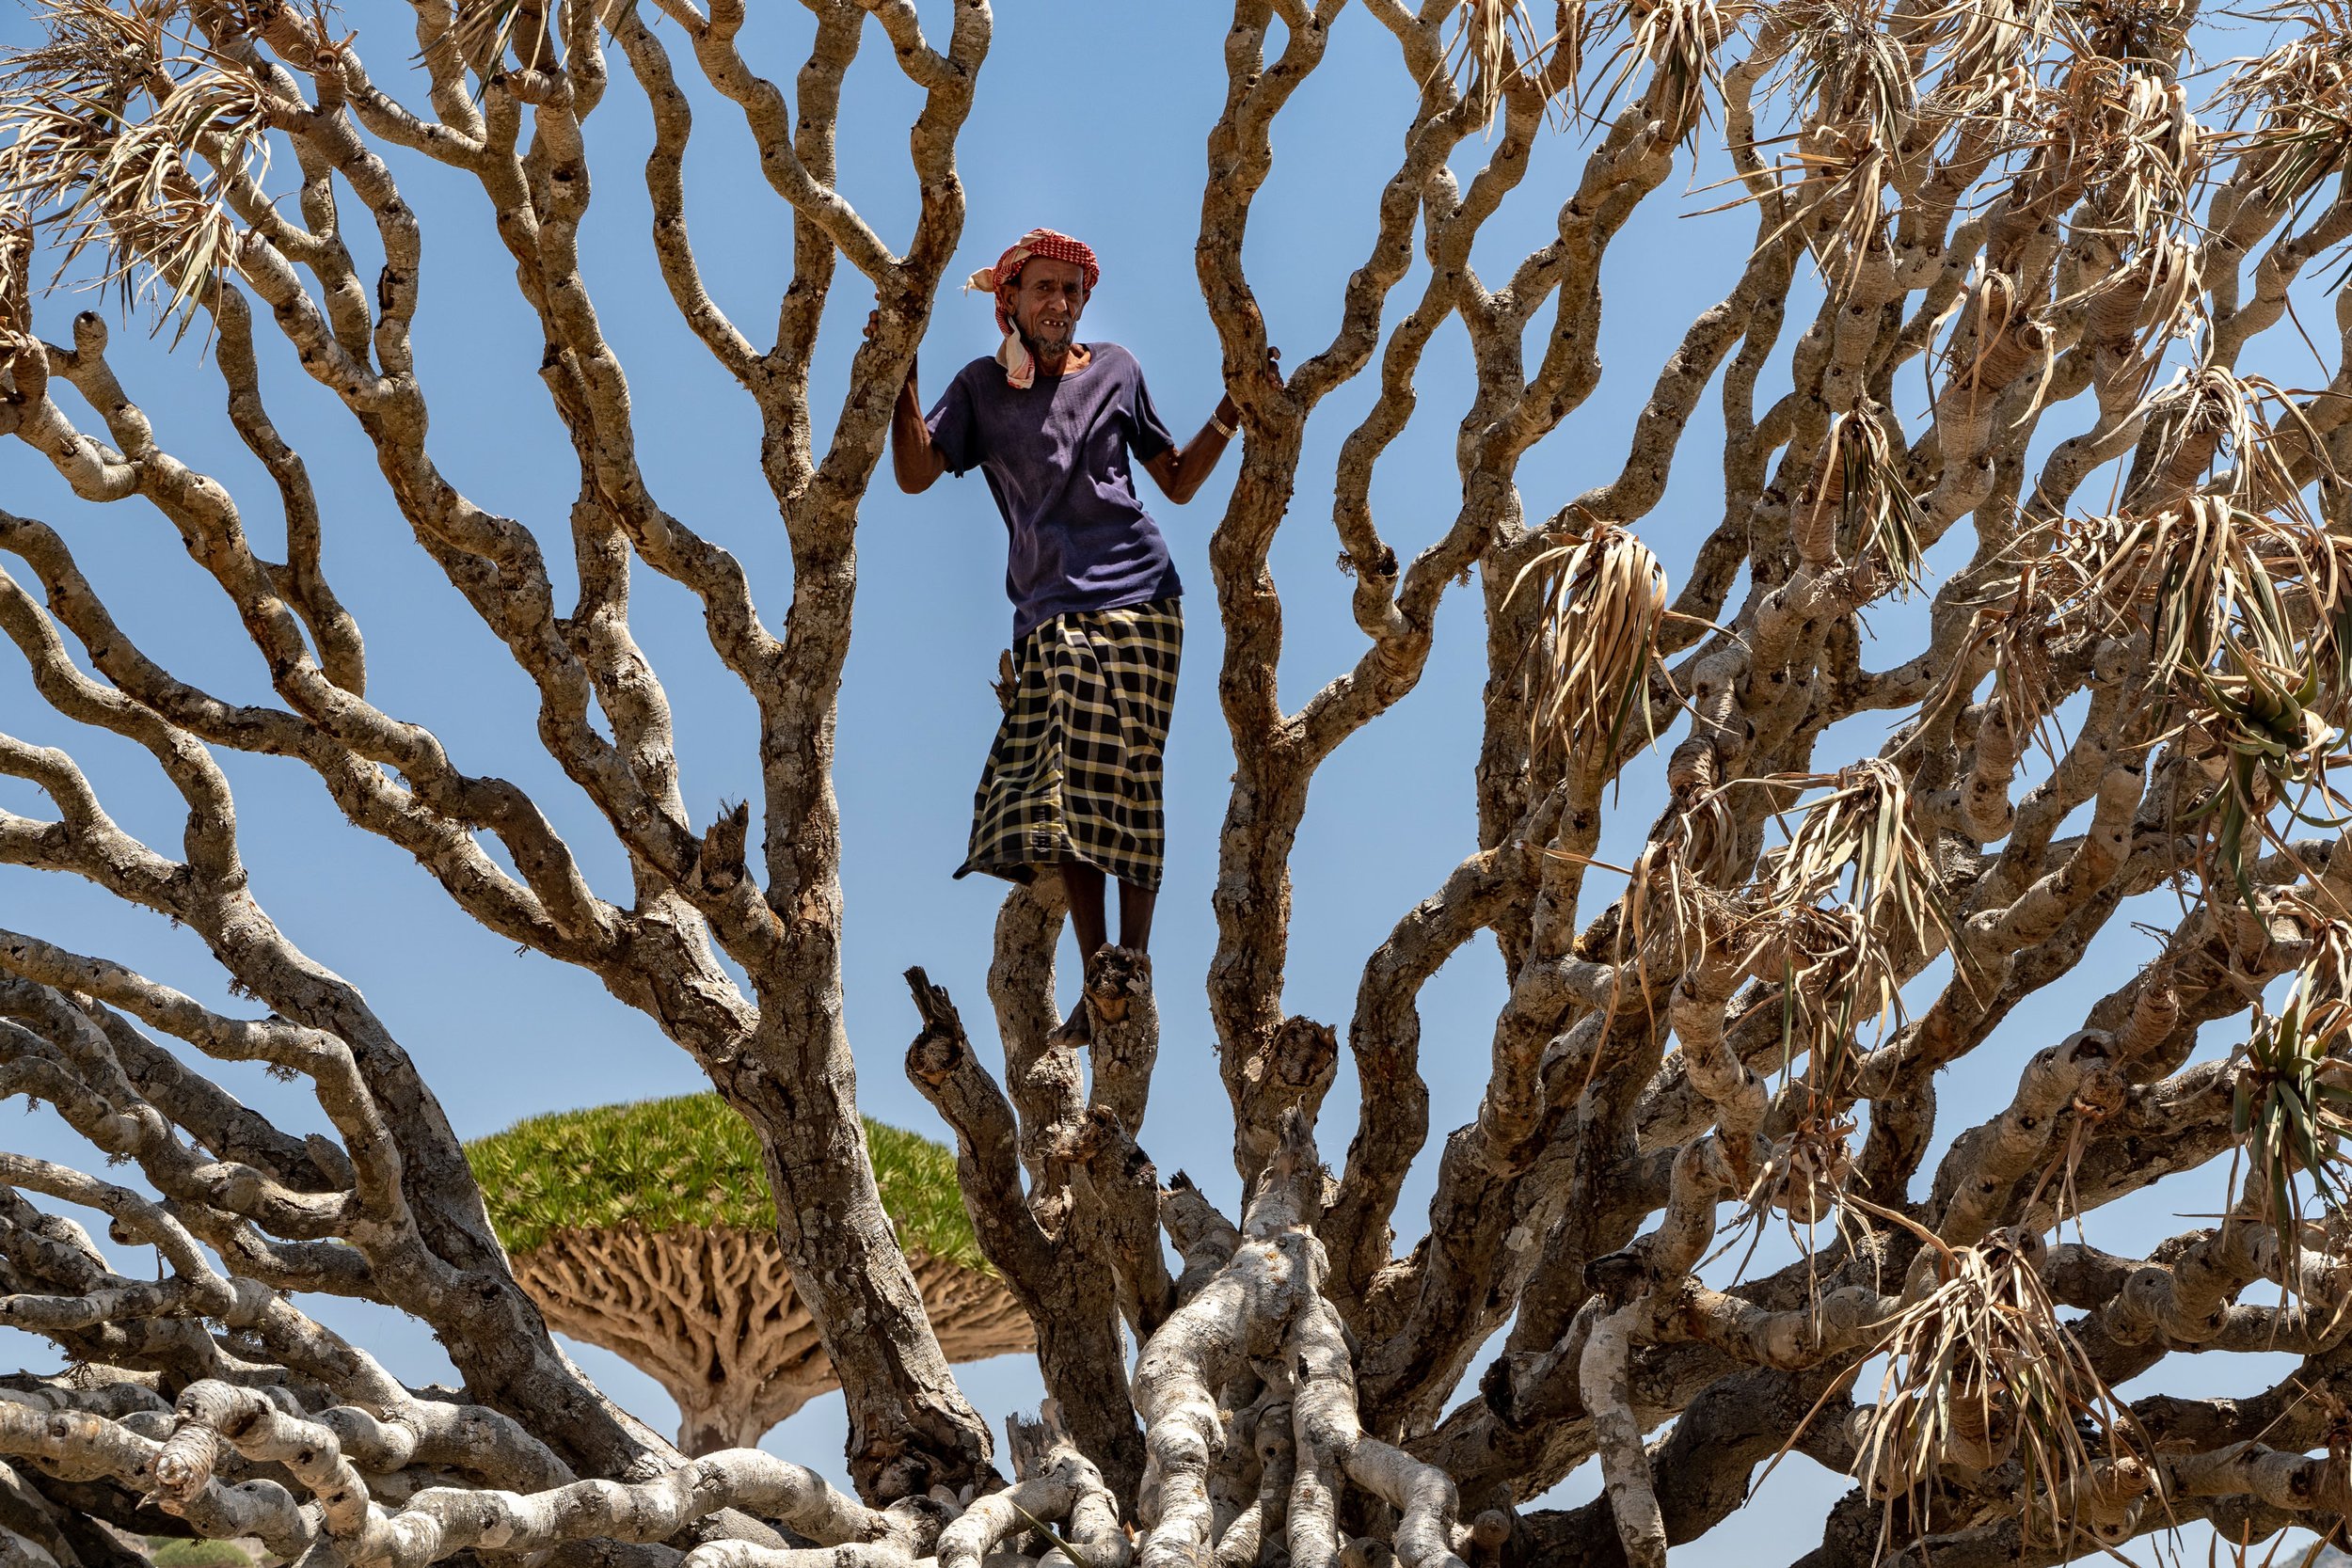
1073,780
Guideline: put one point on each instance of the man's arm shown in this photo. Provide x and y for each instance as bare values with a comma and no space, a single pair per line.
912,458
1180,471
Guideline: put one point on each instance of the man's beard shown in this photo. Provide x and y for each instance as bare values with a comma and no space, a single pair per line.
1049,354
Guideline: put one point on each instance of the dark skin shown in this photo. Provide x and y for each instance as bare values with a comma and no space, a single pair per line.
1047,302
1045,309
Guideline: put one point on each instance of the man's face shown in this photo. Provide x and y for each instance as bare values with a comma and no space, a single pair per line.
1047,303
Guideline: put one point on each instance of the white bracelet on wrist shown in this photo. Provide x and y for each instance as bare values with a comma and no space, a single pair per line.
1221,427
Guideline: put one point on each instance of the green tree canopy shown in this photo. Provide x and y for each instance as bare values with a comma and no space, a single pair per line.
690,1161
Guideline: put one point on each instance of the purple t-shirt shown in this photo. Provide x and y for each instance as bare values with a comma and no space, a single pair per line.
1056,461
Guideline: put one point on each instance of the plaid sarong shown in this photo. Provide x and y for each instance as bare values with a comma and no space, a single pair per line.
1074,773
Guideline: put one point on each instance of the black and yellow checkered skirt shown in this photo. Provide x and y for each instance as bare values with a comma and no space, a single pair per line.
1074,773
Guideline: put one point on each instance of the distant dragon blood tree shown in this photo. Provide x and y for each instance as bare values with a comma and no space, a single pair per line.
646,1229
2135,678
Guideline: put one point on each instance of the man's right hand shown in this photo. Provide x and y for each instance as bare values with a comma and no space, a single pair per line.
913,461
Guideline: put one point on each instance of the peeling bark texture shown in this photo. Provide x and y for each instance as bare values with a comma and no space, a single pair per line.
2110,716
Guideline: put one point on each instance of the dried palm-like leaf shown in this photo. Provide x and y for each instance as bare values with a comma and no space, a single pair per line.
2130,31
2211,416
2208,572
2260,722
1802,1177
1833,914
2326,971
16,267
2290,1108
1979,1372
2250,628
1859,835
2097,1096
120,136
2143,147
2292,108
1837,979
2012,633
488,32
2156,295
1984,47
1672,917
1497,45
1601,596
1807,1172
2003,337
1854,96
2122,127
1851,68
1878,518
1675,913
88,46
2288,1548
1837,202
1679,38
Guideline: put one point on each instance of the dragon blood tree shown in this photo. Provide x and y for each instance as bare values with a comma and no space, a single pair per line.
647,1229
1977,865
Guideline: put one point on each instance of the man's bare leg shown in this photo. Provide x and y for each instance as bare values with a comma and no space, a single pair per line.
1082,885
1135,916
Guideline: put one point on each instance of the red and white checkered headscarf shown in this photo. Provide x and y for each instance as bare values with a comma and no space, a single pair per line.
1004,280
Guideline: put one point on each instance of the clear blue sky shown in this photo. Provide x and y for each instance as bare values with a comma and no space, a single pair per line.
1091,117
